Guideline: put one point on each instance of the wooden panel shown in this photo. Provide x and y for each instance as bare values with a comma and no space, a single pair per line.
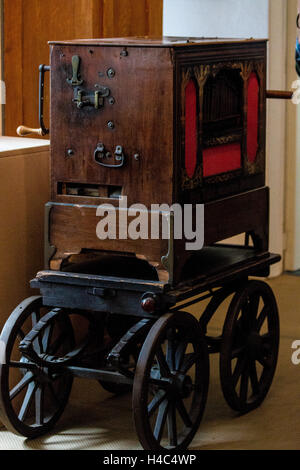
25,46
13,65
141,126
23,193
128,18
73,228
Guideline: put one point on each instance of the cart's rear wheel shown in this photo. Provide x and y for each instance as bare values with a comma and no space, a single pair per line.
171,383
250,343
31,399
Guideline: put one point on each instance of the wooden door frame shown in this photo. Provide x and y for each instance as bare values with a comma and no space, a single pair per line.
292,196
2,106
276,126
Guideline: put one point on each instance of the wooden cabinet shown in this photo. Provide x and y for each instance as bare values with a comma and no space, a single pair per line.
161,121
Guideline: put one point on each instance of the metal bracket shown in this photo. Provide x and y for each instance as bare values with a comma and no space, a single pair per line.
49,250
168,260
26,346
135,334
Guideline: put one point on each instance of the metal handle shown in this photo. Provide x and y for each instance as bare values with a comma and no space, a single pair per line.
279,95
100,156
23,131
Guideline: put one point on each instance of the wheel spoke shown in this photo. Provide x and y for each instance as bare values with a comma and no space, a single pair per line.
244,385
27,401
57,343
172,428
188,362
22,365
179,355
245,320
164,368
156,402
35,318
183,413
47,337
264,361
254,378
53,394
261,318
39,405
21,385
161,420
238,370
253,308
170,357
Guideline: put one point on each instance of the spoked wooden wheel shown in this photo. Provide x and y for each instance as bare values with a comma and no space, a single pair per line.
171,383
31,398
249,348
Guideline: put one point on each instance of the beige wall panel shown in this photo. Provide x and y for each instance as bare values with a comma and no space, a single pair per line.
24,190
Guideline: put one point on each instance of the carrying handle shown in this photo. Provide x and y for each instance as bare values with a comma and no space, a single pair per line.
23,131
279,95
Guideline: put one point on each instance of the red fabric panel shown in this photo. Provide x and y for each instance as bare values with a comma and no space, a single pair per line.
252,124
222,159
190,128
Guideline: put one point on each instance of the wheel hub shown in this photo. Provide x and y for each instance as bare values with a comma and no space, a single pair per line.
182,385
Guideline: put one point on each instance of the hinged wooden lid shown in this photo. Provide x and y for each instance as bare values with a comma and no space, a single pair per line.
145,41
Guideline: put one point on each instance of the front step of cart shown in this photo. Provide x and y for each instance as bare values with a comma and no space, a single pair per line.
133,297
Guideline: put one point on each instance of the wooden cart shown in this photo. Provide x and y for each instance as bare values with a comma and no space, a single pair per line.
139,337
175,121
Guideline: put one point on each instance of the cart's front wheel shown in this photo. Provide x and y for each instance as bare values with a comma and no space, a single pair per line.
171,383
250,343
31,398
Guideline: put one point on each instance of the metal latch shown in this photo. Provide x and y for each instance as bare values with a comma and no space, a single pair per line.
83,98
102,292
75,80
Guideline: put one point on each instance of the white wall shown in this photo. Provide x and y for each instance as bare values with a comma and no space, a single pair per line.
227,18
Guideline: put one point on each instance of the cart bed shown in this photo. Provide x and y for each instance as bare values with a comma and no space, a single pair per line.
215,265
